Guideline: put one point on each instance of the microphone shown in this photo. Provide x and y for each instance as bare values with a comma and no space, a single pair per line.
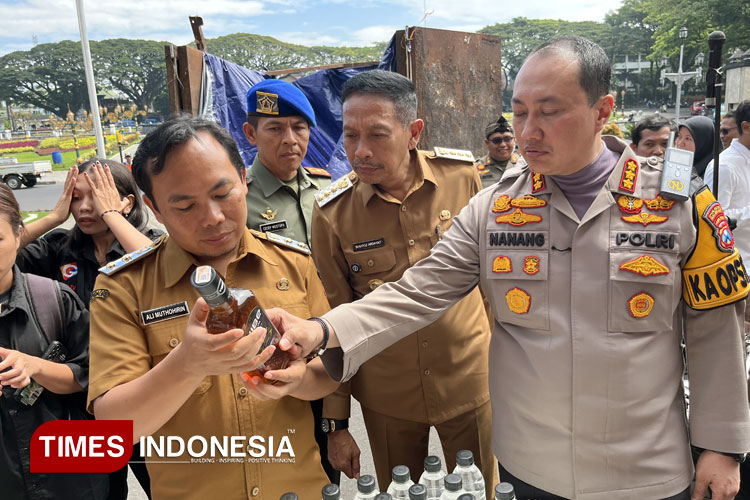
715,42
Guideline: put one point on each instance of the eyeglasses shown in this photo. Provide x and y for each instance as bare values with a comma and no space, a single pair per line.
498,140
724,131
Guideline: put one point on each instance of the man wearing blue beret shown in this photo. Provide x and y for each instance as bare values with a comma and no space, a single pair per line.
281,191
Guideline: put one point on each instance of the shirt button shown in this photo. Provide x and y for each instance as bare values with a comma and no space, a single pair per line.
173,342
370,262
403,208
424,344
255,491
411,243
243,392
427,372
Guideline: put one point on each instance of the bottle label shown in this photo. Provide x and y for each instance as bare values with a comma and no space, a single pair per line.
221,291
258,319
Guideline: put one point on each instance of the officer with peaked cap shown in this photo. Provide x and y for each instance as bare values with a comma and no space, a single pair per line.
500,141
281,191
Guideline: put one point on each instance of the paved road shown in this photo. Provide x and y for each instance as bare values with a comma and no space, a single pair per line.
38,197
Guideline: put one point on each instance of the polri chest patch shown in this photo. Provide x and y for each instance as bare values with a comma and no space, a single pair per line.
164,313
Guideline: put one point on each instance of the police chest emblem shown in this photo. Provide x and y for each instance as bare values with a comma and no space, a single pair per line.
629,176
267,103
659,203
445,214
641,305
501,264
531,264
715,218
645,265
528,201
99,293
269,214
69,270
518,301
537,183
502,204
282,284
518,218
629,205
645,218
164,313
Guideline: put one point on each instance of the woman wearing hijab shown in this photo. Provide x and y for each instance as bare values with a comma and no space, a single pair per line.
696,134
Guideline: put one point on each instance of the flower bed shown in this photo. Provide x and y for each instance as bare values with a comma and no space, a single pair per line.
5,145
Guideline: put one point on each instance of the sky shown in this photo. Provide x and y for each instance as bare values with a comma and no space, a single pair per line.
306,22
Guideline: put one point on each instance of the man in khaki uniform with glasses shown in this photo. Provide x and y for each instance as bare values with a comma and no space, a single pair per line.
500,141
368,228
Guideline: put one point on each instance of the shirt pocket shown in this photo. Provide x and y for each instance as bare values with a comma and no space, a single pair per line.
520,287
162,338
370,268
641,290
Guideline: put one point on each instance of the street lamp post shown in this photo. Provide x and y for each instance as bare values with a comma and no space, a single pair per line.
681,76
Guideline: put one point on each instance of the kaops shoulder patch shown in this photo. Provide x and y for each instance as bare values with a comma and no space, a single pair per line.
714,275
117,265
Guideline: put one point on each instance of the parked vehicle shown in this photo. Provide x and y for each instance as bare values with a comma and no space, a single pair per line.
16,174
698,108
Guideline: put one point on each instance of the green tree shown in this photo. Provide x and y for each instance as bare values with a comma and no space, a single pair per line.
136,68
49,76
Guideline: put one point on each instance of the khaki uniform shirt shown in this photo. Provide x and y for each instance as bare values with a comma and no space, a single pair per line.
491,171
156,290
585,360
272,206
363,238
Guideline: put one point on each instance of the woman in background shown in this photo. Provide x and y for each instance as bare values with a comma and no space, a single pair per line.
696,134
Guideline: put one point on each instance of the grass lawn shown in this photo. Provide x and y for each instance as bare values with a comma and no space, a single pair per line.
39,215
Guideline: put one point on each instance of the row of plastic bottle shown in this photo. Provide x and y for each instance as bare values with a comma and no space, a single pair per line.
465,483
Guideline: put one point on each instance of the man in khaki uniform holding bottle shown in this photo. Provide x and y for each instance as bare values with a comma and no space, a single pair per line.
152,360
368,228
593,276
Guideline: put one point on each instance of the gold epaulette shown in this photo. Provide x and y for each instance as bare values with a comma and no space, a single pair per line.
116,265
336,188
283,241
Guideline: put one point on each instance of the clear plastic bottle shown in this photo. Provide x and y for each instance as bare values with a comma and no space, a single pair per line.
432,477
417,492
331,492
452,487
470,474
504,491
366,488
399,487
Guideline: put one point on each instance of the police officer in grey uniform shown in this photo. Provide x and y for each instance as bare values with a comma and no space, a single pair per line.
280,191
593,277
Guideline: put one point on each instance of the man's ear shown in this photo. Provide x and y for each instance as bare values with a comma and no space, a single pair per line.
604,108
249,131
415,131
150,205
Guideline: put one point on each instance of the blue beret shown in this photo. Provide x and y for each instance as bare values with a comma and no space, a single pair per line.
279,98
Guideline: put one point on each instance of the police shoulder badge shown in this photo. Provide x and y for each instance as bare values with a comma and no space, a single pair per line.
518,301
501,264
629,205
645,265
502,204
267,103
640,305
629,175
645,218
518,218
714,275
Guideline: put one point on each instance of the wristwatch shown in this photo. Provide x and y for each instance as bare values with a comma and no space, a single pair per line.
739,457
329,425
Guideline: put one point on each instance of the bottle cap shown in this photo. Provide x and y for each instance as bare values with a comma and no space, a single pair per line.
464,457
466,496
417,492
384,496
209,284
504,491
331,492
400,474
452,482
289,496
366,484
432,464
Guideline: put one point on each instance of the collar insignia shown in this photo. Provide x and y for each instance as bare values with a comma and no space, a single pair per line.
537,183
629,176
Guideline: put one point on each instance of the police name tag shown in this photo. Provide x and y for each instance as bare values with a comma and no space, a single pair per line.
164,313
269,227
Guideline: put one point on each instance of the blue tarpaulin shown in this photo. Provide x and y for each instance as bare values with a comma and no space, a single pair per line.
231,82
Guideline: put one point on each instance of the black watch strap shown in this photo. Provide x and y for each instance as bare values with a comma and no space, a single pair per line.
329,425
739,457
326,335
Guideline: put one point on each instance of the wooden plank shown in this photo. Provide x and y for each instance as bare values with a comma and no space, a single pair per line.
190,69
173,82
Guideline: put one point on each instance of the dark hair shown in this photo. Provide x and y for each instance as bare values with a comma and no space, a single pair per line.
728,114
742,114
393,86
9,208
651,122
125,186
594,70
253,120
152,153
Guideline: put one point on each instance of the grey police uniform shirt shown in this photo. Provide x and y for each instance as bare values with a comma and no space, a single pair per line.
585,359
274,207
